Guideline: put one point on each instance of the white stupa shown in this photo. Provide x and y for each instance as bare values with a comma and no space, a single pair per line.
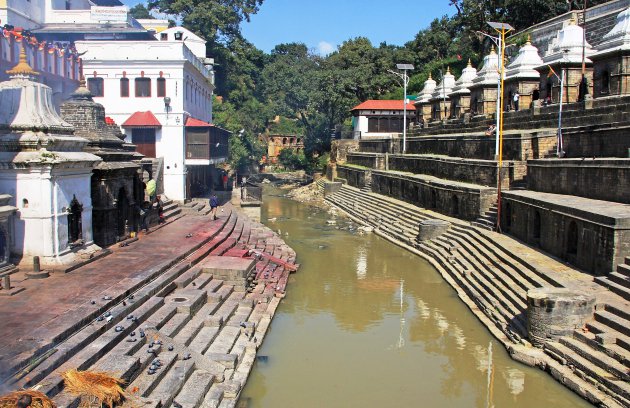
426,92
445,87
566,48
489,72
618,39
465,80
525,64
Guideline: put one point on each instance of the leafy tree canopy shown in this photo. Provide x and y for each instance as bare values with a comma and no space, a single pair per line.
140,11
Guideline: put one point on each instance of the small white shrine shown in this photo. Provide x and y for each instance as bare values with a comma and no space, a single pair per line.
46,171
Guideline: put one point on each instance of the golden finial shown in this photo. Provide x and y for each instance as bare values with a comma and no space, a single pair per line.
572,20
529,39
22,68
430,76
492,51
448,70
469,63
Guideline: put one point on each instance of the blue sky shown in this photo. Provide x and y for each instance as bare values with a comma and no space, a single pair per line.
325,24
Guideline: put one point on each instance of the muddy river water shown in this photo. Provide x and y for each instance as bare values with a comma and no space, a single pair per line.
367,324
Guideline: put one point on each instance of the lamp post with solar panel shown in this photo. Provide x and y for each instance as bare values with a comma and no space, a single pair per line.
404,68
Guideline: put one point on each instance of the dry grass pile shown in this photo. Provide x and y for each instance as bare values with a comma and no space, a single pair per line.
94,388
39,399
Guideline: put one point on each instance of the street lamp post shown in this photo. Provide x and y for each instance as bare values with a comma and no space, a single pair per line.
502,29
405,78
497,41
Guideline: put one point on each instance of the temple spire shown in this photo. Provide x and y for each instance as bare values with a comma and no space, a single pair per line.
22,68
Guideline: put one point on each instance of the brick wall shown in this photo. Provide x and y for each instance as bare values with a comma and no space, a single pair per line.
370,160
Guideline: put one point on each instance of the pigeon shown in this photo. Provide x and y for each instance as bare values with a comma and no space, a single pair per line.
133,333
119,328
124,303
93,302
100,318
151,372
171,348
189,235
177,404
130,297
194,284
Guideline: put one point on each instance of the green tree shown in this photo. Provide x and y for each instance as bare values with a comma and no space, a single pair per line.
140,11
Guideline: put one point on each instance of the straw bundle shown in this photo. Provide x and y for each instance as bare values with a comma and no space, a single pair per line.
39,399
94,388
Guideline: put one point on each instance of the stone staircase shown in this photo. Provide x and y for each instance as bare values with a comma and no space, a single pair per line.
619,281
488,220
497,279
600,352
171,209
197,206
184,338
367,187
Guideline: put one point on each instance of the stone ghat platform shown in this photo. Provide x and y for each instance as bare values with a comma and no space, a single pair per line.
492,274
464,200
178,315
570,227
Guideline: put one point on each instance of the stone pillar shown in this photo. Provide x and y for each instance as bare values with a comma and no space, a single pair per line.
556,312
431,229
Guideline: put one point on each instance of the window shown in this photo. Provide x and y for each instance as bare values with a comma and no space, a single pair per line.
178,36
197,144
96,86
161,87
143,87
124,87
163,36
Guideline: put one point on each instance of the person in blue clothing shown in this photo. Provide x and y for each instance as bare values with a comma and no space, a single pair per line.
214,203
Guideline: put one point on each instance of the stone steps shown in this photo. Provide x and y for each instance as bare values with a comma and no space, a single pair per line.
208,332
619,390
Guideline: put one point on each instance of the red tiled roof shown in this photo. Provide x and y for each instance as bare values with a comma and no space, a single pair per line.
192,122
142,120
374,104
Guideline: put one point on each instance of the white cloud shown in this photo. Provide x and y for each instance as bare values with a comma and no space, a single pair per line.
324,48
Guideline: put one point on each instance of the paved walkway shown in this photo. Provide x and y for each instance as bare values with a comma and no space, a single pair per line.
48,308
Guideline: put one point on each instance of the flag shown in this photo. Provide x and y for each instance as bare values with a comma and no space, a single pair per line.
551,72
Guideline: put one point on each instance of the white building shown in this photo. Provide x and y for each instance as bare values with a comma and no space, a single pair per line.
380,118
160,92
71,20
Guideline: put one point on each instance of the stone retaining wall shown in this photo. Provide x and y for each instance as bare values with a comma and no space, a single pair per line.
370,160
379,146
465,202
353,176
522,146
600,179
598,142
473,171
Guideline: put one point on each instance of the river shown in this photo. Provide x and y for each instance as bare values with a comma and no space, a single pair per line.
367,324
